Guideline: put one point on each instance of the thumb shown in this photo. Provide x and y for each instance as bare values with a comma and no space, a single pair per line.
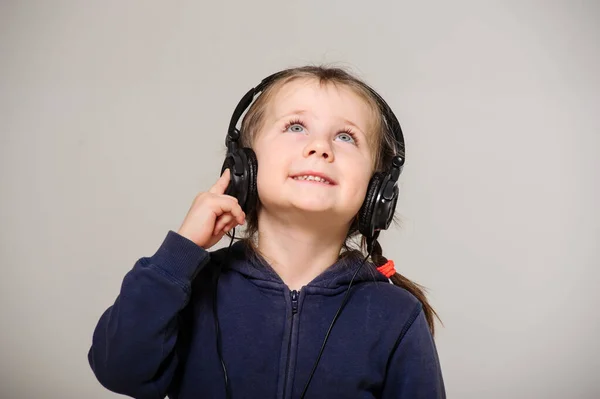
221,185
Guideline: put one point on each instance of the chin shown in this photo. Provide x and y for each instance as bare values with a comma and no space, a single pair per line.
317,208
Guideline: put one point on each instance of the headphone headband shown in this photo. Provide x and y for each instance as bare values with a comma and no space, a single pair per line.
233,132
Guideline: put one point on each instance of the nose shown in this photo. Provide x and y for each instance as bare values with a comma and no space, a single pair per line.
319,147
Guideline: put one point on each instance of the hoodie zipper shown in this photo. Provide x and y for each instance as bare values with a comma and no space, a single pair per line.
294,295
294,300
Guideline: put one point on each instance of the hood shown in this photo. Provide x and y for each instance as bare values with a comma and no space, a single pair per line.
242,259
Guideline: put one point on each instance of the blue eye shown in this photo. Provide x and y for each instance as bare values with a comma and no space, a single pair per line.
295,128
346,137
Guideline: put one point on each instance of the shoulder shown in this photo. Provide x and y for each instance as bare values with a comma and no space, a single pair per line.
392,304
239,251
388,294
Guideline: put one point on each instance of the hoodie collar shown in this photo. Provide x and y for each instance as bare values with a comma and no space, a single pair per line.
244,260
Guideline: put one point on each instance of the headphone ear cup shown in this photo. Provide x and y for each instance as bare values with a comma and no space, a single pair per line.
366,225
229,163
252,171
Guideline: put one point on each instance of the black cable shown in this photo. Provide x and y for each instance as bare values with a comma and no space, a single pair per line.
339,311
219,343
370,249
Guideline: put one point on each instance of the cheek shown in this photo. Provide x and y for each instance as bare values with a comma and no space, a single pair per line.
271,174
362,174
364,186
273,157
357,191
270,164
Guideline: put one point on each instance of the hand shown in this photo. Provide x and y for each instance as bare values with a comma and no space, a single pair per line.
212,214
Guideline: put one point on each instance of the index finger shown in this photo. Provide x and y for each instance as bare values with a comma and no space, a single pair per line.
221,185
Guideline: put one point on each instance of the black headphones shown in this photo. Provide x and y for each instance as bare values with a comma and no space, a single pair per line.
377,210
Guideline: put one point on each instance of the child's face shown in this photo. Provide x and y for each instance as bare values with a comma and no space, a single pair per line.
304,133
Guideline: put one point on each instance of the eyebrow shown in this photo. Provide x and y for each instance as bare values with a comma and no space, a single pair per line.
295,112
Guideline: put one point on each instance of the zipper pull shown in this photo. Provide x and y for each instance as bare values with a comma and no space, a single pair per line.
294,295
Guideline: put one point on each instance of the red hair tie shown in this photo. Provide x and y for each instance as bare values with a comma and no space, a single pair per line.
387,269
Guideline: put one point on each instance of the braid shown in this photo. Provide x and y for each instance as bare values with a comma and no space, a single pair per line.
399,280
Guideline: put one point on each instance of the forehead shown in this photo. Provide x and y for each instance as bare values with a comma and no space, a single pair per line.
323,100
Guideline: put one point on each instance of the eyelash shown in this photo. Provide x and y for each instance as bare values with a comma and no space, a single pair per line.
346,130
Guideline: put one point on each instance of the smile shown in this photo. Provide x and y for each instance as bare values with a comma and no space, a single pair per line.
312,178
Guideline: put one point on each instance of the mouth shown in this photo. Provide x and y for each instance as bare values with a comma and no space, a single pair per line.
314,177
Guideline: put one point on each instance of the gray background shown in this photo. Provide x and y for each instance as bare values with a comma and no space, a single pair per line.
113,115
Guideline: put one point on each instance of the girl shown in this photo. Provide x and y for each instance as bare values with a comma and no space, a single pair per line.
293,309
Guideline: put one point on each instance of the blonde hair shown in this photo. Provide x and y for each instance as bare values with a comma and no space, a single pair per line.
382,141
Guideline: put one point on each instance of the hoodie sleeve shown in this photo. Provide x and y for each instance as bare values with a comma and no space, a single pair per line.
133,346
414,369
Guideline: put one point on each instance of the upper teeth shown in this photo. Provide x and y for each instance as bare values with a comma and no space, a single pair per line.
310,177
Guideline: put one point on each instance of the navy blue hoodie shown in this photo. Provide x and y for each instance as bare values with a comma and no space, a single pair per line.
159,337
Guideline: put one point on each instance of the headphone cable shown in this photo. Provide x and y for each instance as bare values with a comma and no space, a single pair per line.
337,314
217,328
370,249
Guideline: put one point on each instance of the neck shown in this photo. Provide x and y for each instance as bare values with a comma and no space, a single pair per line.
298,252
